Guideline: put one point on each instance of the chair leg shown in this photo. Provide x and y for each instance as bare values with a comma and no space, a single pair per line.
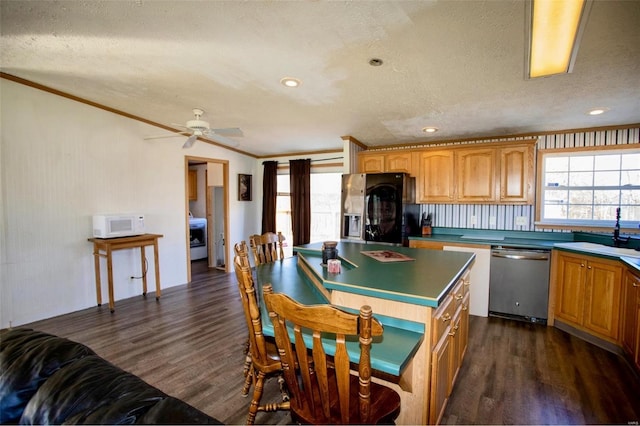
247,382
257,395
247,353
247,365
276,406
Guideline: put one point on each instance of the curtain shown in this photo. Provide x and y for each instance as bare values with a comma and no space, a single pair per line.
269,194
300,180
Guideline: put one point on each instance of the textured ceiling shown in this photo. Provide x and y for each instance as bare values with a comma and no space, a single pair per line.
455,65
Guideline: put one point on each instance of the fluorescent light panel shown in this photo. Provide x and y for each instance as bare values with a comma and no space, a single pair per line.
555,29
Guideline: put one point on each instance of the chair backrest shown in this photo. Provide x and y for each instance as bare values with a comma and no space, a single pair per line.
267,247
312,390
257,344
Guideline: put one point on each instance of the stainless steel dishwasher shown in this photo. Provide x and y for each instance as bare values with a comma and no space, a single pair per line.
519,284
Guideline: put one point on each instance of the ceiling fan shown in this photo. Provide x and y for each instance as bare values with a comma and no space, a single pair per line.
199,128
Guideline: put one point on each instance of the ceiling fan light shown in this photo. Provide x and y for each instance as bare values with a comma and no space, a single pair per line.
198,125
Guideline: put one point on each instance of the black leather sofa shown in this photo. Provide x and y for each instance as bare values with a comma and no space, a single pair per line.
45,379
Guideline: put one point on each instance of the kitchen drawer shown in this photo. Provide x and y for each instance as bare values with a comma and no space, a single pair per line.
458,293
442,318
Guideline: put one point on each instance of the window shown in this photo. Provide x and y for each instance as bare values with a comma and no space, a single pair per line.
325,208
585,187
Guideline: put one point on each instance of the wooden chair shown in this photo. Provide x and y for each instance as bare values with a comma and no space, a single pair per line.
267,247
328,393
263,358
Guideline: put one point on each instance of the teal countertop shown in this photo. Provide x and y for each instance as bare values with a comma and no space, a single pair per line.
424,281
632,262
532,240
524,239
390,353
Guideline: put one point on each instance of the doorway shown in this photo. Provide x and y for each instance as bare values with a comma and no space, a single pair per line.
207,207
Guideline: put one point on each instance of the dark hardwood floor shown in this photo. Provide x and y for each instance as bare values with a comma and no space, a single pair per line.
190,345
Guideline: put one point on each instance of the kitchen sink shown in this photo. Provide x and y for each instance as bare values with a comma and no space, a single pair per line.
600,249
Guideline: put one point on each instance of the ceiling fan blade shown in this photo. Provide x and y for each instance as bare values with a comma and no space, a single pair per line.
190,141
221,140
175,135
228,131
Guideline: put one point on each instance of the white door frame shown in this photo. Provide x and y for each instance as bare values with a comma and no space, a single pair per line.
225,183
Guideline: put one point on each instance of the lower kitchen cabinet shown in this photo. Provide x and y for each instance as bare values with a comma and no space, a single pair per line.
631,318
440,384
450,335
588,293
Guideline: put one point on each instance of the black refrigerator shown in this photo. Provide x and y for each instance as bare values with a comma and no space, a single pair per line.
379,207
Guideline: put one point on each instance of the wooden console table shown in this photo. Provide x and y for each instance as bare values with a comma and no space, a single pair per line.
103,247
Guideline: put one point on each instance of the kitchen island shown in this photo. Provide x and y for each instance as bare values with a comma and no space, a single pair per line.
421,301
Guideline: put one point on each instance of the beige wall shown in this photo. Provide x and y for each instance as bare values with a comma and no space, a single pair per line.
63,161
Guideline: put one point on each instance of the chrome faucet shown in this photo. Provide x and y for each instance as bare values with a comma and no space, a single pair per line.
617,239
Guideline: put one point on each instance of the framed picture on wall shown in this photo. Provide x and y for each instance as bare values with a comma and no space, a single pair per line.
244,187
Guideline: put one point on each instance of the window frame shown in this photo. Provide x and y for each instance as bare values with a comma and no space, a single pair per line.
578,225
285,172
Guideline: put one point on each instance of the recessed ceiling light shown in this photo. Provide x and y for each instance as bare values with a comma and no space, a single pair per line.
598,111
429,129
375,62
290,82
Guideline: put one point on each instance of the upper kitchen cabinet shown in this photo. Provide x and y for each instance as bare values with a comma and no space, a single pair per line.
377,162
496,173
487,173
193,185
436,179
516,174
476,175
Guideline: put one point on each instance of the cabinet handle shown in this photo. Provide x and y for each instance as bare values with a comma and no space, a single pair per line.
582,265
588,267
452,333
446,317
466,283
635,285
458,297
464,307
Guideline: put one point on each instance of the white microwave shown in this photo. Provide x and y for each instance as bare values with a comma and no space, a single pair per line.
118,225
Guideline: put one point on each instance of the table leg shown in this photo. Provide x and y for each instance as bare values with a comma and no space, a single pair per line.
144,275
96,267
110,278
157,264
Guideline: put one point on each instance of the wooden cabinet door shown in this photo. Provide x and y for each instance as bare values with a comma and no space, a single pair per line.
516,174
630,320
436,182
570,288
456,345
193,185
476,175
463,331
371,163
602,301
440,360
636,357
399,162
